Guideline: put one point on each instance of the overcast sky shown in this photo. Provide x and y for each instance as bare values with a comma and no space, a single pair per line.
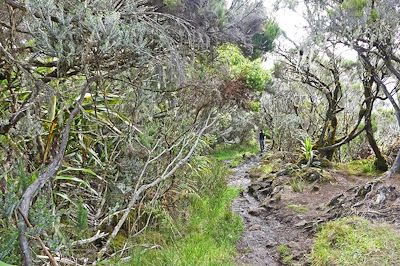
294,25
290,21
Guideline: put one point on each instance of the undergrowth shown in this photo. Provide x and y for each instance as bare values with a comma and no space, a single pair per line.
207,236
285,254
356,241
212,231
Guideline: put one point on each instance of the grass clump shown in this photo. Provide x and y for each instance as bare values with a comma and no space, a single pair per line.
298,208
208,233
285,254
356,241
266,168
297,184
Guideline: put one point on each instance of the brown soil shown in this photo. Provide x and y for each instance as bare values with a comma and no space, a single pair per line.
291,218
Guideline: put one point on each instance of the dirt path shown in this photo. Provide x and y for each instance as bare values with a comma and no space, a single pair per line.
257,245
281,217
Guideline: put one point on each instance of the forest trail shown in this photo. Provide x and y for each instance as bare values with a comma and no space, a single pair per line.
261,234
277,217
269,226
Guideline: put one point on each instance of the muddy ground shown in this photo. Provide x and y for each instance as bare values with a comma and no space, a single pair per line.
274,214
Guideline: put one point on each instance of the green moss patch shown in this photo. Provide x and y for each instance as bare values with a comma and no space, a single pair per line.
360,167
356,241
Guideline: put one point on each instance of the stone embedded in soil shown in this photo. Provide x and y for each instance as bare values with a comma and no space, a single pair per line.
315,188
255,174
312,174
301,223
271,245
254,227
257,211
268,201
261,188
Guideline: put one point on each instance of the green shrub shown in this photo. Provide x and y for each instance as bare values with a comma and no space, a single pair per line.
356,241
241,67
9,248
255,106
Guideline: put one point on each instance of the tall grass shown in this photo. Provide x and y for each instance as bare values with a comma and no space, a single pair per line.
360,167
208,235
235,152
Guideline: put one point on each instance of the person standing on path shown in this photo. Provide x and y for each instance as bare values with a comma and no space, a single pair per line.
261,139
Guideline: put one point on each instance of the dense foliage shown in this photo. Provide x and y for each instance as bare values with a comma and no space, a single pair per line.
104,109
110,112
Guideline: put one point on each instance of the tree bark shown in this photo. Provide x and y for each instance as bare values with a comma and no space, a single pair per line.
51,170
380,161
367,63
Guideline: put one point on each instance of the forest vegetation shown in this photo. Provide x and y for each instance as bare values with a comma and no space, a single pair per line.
124,124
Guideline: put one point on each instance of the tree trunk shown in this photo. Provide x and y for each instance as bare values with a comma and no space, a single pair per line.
396,165
380,161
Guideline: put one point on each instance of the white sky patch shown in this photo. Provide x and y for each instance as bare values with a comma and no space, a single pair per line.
291,22
294,25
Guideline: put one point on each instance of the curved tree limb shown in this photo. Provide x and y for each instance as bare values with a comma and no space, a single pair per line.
43,178
176,163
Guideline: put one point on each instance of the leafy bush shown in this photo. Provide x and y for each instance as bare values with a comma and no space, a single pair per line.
356,241
241,67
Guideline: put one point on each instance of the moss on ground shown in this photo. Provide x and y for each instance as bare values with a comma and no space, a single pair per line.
359,167
356,241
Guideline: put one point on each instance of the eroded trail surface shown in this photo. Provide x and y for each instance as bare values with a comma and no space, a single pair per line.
283,206
263,232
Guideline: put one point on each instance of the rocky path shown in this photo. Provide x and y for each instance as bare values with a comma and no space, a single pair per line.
263,232
278,216
259,235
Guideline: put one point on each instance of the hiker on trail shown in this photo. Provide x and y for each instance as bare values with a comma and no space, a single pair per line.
261,139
